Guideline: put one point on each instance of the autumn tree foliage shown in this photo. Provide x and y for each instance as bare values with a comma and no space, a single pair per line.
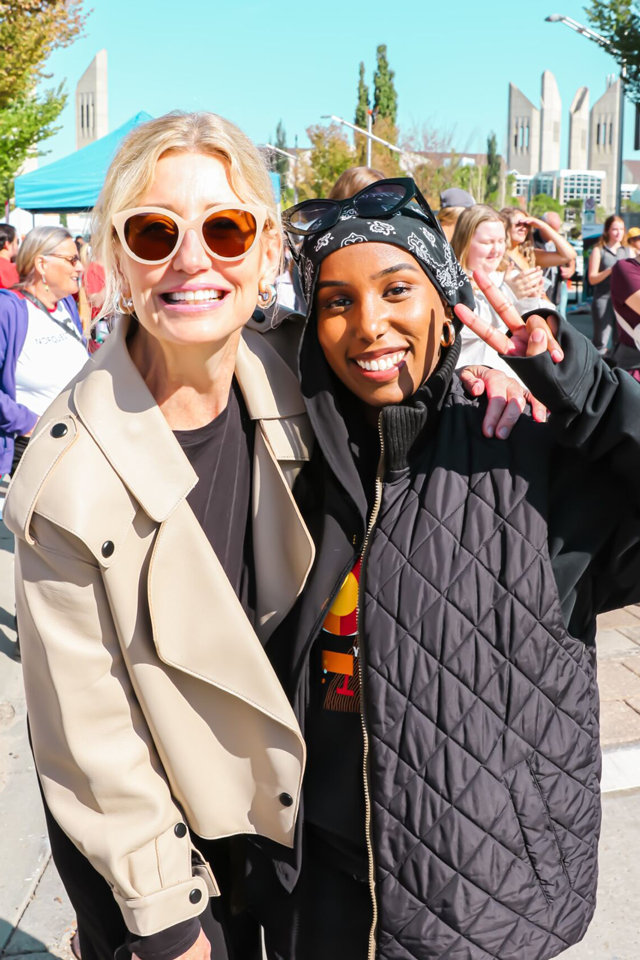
29,31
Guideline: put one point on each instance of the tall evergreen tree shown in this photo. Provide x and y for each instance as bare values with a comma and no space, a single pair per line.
385,98
493,166
280,163
362,105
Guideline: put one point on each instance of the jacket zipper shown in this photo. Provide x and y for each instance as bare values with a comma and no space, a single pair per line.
365,735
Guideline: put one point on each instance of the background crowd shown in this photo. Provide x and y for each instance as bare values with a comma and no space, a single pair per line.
50,313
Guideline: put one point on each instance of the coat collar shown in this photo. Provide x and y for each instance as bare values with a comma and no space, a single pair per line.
120,413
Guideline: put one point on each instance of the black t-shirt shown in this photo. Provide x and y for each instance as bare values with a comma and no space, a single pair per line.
221,453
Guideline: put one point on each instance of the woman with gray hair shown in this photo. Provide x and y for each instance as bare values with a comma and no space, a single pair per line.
41,341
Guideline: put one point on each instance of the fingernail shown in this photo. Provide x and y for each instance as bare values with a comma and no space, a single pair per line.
557,355
537,336
503,433
489,431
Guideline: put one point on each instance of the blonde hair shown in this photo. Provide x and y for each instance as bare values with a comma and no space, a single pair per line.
448,216
353,180
468,222
133,168
527,247
39,242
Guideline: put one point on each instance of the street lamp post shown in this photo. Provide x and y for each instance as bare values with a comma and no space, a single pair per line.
602,42
366,133
291,156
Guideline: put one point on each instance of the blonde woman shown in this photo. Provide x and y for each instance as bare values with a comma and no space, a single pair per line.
521,250
41,338
145,598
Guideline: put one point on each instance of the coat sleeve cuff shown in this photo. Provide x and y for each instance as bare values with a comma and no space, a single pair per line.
145,916
561,387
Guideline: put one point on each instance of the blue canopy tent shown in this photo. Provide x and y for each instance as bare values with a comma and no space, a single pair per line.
72,184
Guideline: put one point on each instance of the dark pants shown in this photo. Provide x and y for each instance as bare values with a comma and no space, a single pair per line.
100,925
604,321
327,917
20,445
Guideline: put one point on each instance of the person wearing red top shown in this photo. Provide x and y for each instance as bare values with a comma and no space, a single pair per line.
625,297
9,244
94,285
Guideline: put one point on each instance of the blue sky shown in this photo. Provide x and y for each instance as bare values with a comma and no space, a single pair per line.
256,62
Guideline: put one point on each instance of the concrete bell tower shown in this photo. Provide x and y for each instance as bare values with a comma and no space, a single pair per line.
92,107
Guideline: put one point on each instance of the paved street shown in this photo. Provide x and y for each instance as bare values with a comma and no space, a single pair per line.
36,918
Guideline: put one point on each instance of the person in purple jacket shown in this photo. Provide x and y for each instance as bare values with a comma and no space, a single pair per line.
42,346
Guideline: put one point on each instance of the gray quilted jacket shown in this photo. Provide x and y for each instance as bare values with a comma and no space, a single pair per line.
484,571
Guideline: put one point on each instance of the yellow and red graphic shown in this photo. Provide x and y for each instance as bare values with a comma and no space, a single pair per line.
342,619
343,692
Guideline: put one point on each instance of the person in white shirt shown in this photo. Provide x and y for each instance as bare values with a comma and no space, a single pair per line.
53,350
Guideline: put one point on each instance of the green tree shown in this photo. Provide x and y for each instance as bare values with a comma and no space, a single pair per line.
542,203
279,163
493,168
29,31
362,105
331,154
385,98
361,116
23,123
618,21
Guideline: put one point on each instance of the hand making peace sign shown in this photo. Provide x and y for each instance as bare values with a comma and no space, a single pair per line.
528,339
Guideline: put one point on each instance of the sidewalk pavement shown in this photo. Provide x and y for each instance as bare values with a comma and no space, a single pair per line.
36,919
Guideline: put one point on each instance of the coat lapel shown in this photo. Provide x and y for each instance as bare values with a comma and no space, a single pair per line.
198,623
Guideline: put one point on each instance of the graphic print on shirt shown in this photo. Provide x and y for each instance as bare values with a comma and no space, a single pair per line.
340,660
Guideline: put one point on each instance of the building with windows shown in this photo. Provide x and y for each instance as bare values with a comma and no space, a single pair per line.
521,184
565,185
579,130
92,115
603,140
523,152
550,122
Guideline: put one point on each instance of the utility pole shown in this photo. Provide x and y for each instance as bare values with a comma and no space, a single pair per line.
366,133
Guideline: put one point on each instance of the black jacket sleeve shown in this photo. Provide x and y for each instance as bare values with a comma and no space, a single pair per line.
168,944
594,494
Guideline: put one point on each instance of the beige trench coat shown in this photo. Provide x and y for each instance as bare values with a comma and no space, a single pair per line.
150,697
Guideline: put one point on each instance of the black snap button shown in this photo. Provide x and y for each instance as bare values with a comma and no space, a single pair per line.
107,548
59,430
195,896
180,830
286,799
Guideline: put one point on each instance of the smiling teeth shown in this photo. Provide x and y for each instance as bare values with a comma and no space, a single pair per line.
383,363
191,296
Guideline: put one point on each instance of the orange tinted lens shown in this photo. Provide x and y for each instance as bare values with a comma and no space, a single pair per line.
151,236
229,233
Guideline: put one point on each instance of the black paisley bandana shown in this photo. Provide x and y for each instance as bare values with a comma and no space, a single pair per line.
406,229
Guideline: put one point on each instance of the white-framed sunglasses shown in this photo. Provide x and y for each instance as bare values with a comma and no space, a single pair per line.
153,235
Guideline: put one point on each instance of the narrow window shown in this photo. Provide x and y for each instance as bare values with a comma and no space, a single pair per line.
598,135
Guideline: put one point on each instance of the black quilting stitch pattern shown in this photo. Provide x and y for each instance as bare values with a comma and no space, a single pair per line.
546,713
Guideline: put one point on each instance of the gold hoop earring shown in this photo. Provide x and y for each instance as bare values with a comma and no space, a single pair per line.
267,296
450,338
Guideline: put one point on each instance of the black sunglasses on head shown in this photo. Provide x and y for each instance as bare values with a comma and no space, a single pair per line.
380,199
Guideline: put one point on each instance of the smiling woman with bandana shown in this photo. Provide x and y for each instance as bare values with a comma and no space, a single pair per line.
443,646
